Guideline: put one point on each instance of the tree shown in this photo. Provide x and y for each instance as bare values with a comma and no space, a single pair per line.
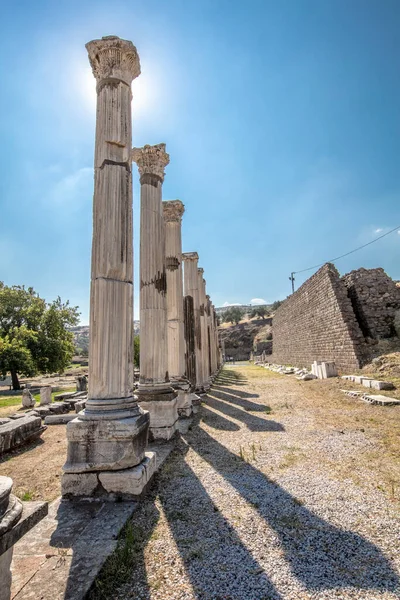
259,311
276,305
233,315
136,351
34,336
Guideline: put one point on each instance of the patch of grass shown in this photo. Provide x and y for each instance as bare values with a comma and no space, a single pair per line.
27,496
120,565
290,458
10,401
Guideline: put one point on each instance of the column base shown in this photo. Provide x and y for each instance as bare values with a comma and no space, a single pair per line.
161,403
126,484
106,445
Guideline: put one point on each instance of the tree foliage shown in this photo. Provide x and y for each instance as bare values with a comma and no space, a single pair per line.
276,305
136,351
34,336
259,311
233,315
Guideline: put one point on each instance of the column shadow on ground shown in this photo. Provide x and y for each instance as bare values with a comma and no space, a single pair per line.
217,562
320,555
252,422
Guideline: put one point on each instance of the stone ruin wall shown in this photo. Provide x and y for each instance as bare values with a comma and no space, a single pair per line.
375,299
318,323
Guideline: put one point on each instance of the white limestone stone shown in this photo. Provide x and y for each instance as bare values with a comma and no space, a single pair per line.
45,395
81,485
130,482
28,400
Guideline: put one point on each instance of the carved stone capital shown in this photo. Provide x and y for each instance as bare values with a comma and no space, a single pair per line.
113,58
190,256
151,160
200,271
173,211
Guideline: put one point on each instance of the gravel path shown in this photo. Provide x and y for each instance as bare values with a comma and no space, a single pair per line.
250,506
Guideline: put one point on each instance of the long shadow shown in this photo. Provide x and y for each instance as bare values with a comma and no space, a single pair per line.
218,564
235,391
253,422
319,554
210,418
231,398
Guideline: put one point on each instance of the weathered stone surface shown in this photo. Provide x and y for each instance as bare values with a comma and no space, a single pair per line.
45,395
317,322
60,558
381,385
5,574
191,287
375,299
19,432
111,433
80,405
59,408
32,513
163,414
106,445
81,485
380,399
28,400
59,419
129,482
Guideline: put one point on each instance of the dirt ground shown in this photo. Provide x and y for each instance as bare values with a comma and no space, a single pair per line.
36,468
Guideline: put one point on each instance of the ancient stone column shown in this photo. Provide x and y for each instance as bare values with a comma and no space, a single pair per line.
111,433
155,392
173,211
213,350
204,330
191,286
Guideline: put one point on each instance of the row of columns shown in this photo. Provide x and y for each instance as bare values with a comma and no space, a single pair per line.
179,352
165,388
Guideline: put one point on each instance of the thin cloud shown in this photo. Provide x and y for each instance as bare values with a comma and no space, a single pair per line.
379,230
258,301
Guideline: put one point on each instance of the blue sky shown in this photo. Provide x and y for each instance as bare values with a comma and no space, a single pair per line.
281,118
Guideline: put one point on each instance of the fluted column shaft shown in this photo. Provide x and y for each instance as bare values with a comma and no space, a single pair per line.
173,211
191,286
155,392
111,433
203,327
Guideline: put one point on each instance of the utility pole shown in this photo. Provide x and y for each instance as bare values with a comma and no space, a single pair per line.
292,280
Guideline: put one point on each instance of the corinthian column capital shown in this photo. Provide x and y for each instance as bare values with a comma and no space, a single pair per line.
190,256
151,160
112,58
173,211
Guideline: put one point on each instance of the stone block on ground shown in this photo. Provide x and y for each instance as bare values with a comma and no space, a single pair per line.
80,405
18,432
45,395
28,400
59,419
59,408
382,385
380,399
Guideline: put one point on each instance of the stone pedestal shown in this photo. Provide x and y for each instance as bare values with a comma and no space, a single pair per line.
16,519
155,392
111,433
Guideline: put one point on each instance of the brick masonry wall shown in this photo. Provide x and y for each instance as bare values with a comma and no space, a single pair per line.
375,299
317,322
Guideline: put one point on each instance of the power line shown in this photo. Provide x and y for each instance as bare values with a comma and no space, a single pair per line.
347,253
